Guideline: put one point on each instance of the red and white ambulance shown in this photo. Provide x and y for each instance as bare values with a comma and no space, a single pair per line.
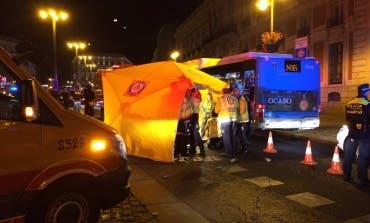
56,165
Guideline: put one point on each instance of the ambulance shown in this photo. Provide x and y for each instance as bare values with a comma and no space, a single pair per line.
56,165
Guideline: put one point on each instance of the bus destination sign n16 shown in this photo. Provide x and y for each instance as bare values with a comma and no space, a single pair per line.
292,66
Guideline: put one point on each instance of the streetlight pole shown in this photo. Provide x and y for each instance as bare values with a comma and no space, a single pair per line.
54,16
271,16
76,46
84,58
56,83
263,4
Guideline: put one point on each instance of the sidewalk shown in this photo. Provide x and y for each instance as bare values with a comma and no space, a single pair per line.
164,206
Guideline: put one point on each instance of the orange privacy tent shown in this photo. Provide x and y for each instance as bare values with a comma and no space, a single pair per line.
143,103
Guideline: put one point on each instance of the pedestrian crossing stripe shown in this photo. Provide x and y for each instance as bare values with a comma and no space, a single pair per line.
234,169
362,219
309,199
264,181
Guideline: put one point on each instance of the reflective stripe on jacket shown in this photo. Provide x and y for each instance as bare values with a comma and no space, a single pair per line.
212,128
357,115
227,107
186,109
195,103
208,106
243,115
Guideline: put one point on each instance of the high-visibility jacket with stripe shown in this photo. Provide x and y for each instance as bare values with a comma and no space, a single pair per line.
195,103
208,106
227,106
186,109
212,128
243,114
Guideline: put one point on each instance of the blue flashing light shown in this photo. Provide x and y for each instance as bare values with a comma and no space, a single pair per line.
13,88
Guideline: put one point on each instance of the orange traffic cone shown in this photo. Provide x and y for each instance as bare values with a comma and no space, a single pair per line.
308,159
335,168
270,145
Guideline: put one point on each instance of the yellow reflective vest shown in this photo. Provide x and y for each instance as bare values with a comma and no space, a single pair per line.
227,106
186,109
211,128
195,103
208,106
243,114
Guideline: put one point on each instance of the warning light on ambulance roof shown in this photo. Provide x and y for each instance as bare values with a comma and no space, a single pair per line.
116,66
13,88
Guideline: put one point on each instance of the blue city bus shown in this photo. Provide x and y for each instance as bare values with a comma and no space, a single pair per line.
284,91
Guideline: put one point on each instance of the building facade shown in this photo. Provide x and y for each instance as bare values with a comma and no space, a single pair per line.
85,67
338,34
10,45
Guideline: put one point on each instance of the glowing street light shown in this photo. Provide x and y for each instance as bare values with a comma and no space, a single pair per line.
54,16
174,55
76,46
91,66
263,5
85,58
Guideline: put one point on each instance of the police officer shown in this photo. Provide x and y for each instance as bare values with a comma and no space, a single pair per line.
358,118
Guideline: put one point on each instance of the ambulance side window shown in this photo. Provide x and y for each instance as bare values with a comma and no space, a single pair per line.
10,104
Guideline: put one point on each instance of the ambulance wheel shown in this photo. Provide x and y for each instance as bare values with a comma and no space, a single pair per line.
72,205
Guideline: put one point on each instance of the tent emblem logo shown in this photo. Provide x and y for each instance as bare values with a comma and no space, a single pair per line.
135,88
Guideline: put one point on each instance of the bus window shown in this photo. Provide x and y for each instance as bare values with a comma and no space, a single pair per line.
249,79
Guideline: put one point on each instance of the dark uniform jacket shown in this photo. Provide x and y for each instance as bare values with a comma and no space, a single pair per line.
358,116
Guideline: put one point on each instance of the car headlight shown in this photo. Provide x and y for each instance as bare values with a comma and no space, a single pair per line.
98,145
119,144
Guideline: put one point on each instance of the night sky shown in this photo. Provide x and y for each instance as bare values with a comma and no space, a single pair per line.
92,21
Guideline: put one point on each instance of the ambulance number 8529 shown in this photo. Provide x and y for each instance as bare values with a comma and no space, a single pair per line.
71,143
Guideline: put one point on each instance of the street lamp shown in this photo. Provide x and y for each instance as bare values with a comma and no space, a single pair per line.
54,16
91,66
84,58
174,55
76,46
262,5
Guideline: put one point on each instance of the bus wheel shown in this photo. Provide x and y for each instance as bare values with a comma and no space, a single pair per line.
72,206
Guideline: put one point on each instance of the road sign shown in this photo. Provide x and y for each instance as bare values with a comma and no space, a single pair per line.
301,47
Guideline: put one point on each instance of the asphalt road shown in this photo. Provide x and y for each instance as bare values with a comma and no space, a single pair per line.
261,187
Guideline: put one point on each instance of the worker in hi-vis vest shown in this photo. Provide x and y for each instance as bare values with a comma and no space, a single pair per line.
241,125
226,108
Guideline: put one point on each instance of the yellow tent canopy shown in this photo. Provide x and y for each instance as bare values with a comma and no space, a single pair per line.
143,103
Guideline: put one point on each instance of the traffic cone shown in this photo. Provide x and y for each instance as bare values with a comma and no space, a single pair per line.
308,159
270,145
335,168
